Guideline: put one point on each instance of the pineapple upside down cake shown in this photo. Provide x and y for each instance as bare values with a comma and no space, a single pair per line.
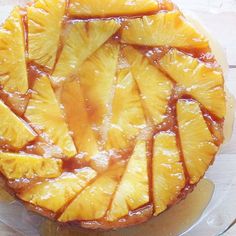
111,111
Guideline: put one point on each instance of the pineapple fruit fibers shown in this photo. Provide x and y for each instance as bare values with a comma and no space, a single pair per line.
111,111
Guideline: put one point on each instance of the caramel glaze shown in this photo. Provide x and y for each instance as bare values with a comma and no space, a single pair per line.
135,217
163,5
18,103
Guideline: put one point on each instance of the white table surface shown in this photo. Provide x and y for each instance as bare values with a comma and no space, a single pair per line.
222,24
220,18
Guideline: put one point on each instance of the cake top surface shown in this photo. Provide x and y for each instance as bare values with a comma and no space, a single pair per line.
108,108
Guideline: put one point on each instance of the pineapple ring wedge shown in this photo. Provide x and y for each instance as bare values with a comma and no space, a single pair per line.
127,92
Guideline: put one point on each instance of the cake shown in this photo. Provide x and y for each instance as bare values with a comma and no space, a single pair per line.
111,111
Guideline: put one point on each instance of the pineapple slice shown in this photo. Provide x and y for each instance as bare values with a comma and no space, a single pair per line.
93,202
97,77
13,73
83,39
55,193
17,102
133,190
16,166
163,29
44,24
127,113
155,88
167,170
101,8
77,118
196,139
45,115
14,130
204,83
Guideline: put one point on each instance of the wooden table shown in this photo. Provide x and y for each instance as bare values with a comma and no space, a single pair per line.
220,18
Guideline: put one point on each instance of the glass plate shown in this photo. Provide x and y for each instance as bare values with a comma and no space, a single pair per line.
208,211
